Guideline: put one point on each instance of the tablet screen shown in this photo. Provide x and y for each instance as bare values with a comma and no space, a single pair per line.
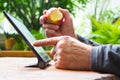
28,37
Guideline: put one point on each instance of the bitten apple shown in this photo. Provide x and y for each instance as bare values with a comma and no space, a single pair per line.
54,16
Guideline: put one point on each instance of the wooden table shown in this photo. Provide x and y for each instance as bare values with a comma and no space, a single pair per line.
13,68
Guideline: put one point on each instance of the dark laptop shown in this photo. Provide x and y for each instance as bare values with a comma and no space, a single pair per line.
42,56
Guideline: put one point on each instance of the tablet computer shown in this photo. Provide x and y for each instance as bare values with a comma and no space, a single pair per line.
42,56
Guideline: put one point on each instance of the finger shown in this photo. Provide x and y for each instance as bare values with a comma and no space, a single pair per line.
47,42
50,33
50,26
44,12
56,57
53,51
60,64
43,19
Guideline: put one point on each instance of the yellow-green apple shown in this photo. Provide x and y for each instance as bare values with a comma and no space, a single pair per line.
54,16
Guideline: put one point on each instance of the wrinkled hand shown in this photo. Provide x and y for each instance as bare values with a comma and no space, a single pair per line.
68,52
66,28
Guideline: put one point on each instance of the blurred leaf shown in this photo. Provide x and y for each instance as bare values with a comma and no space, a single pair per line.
105,33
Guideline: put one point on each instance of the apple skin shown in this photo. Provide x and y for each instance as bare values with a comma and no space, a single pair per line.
54,16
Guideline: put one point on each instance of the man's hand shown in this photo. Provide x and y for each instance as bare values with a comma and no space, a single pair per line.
68,52
66,28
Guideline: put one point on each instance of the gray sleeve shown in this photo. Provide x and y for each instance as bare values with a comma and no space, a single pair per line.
87,41
106,58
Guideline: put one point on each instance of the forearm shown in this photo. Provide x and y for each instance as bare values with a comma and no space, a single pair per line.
106,58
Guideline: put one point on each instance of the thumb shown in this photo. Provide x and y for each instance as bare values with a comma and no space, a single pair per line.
65,13
44,12
47,42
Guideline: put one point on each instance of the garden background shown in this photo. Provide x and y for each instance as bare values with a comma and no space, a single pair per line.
97,20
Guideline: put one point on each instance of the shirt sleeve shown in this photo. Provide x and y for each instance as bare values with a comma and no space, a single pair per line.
87,41
104,58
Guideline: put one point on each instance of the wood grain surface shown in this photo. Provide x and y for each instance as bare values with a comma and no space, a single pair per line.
12,68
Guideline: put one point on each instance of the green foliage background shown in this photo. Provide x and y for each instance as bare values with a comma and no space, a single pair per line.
105,25
105,32
29,11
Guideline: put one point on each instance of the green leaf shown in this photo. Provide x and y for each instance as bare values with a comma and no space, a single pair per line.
105,33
